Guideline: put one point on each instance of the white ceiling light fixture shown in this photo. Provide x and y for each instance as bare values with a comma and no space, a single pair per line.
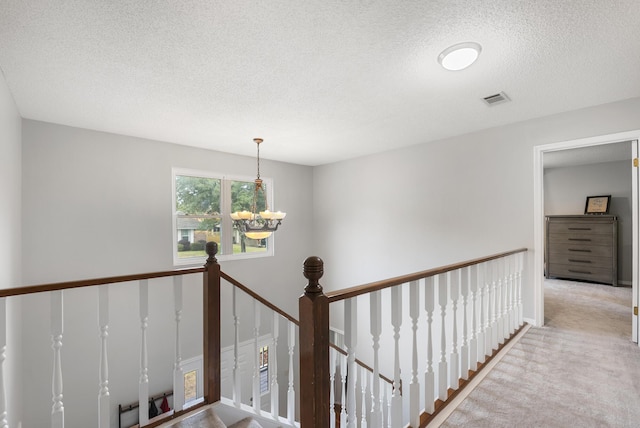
459,56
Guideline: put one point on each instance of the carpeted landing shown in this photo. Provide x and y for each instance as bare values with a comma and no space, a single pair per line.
579,370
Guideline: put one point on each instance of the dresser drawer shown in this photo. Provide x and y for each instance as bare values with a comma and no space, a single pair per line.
580,272
580,228
580,238
580,261
579,250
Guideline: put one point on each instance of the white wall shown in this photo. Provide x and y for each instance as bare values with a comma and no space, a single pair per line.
444,201
566,189
439,203
10,244
98,204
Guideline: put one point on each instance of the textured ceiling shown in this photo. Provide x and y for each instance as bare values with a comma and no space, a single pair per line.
320,81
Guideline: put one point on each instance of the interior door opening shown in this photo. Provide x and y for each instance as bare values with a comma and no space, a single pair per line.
539,214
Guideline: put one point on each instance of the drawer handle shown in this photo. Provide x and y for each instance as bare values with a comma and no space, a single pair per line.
579,228
579,250
580,239
579,261
580,271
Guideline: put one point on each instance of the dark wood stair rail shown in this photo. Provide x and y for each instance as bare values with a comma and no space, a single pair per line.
314,328
211,365
211,316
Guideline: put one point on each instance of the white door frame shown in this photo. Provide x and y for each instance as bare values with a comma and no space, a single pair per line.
538,215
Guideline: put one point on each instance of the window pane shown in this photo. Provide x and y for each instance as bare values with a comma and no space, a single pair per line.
242,193
197,214
194,233
197,195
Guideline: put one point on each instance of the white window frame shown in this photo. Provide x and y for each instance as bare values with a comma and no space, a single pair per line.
226,222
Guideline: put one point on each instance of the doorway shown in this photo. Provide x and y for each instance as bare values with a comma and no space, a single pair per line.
539,215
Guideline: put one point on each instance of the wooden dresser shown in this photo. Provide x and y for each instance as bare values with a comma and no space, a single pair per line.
582,247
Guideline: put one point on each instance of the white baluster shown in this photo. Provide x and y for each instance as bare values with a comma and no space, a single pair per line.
178,375
333,355
291,393
343,395
387,406
3,349
429,375
473,342
482,328
442,366
454,360
486,281
494,304
376,329
256,356
520,263
273,367
363,391
104,411
510,306
235,373
143,387
514,292
350,342
464,350
414,386
497,271
505,298
396,321
57,310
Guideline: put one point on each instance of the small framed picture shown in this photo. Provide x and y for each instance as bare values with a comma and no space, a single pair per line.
597,204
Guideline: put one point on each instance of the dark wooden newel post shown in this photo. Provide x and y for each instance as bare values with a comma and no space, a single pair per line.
211,327
314,349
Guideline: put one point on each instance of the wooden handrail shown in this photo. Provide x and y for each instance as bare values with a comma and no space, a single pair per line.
259,298
347,293
282,313
360,363
30,289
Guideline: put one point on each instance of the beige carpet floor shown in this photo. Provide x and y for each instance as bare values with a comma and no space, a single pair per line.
579,370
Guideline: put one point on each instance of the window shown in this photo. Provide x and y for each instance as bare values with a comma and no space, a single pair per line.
202,203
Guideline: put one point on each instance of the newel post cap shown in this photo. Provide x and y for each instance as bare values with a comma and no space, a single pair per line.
211,248
313,269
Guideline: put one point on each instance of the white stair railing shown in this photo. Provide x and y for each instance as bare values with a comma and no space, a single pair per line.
478,309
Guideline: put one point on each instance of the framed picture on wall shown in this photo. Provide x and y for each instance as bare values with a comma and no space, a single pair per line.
597,204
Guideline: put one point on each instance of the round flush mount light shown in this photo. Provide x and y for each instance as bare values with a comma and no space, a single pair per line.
459,56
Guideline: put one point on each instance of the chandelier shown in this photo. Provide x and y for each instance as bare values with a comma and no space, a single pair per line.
254,224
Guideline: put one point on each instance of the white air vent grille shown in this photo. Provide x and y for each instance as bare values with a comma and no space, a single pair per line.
500,98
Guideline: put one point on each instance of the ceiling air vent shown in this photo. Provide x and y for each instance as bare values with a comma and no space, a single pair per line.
500,98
